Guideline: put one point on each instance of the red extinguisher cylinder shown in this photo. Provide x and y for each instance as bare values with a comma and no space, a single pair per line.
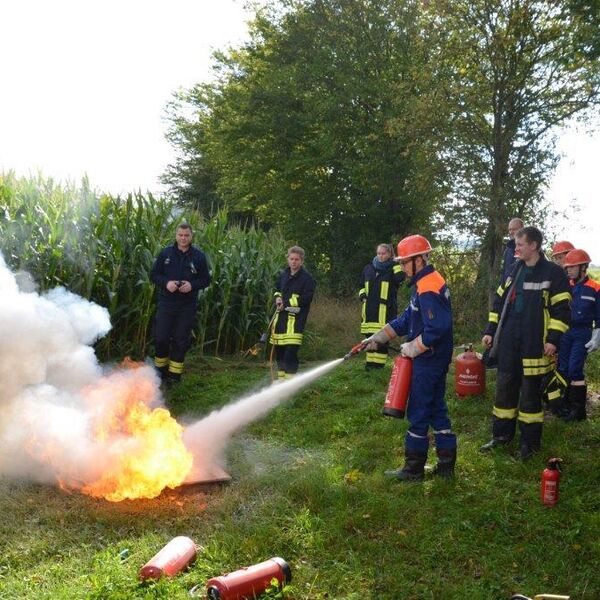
469,373
249,582
398,392
550,482
172,559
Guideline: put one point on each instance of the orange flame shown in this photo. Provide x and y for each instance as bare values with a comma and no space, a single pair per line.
144,446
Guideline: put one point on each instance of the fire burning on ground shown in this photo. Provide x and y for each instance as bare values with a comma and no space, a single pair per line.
106,433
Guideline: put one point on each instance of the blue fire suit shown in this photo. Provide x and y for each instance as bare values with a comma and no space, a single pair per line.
585,315
429,314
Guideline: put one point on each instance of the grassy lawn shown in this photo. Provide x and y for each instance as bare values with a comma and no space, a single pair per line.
308,486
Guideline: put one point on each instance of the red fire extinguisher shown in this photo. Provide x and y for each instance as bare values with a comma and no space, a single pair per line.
550,481
398,392
249,582
469,373
174,557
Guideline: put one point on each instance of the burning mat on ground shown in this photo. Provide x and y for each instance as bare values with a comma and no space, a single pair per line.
65,418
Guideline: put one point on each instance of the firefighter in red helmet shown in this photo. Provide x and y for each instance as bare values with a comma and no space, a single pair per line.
427,325
583,336
559,250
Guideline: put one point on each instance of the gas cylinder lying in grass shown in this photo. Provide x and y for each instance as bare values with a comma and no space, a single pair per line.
249,582
172,559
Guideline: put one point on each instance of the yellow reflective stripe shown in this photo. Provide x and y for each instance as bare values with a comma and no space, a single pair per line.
370,327
280,374
367,288
382,315
376,357
283,339
531,417
505,413
290,375
160,361
560,297
493,317
385,290
531,371
536,362
500,290
175,367
397,268
294,299
361,292
558,325
291,324
277,294
554,395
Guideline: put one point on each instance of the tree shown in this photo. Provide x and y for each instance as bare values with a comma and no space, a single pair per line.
514,71
322,124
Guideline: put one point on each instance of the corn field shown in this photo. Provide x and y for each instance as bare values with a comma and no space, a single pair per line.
103,247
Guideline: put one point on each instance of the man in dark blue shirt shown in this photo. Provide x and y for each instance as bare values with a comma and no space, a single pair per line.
179,272
509,251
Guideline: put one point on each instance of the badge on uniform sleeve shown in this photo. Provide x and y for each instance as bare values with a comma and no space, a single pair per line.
430,314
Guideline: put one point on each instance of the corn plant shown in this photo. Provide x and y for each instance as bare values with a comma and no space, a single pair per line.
103,248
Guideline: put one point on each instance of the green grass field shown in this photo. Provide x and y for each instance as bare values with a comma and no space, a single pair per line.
308,486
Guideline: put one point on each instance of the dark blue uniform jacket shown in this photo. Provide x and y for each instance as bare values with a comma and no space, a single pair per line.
429,314
174,265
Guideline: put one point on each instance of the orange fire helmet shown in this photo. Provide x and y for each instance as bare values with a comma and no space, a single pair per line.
561,247
576,257
413,245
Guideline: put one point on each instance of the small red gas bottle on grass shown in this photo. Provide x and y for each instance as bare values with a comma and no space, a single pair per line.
469,373
398,392
550,481
172,559
249,582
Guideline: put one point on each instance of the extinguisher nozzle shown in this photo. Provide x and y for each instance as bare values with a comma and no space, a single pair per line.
355,350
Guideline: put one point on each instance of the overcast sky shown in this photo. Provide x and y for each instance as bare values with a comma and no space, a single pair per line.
84,84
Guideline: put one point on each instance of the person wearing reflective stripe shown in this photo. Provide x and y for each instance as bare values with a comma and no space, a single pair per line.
293,295
179,273
583,336
427,325
535,301
378,294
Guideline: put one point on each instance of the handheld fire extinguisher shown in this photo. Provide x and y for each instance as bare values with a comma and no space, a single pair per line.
172,559
398,392
550,481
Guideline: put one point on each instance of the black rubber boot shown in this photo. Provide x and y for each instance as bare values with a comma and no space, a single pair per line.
494,443
414,467
445,464
578,396
526,452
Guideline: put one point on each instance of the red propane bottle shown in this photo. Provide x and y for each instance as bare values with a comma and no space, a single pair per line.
249,582
469,373
398,392
550,481
174,557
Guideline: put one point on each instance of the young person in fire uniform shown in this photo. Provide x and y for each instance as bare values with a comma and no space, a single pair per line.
559,250
427,325
531,312
583,336
294,292
179,272
378,292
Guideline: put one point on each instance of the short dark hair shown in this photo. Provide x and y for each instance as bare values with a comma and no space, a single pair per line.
533,234
185,225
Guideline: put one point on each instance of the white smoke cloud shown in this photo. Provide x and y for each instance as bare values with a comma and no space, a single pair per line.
47,367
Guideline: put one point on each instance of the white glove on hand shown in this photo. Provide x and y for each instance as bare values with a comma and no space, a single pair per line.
594,343
383,336
413,348
292,309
